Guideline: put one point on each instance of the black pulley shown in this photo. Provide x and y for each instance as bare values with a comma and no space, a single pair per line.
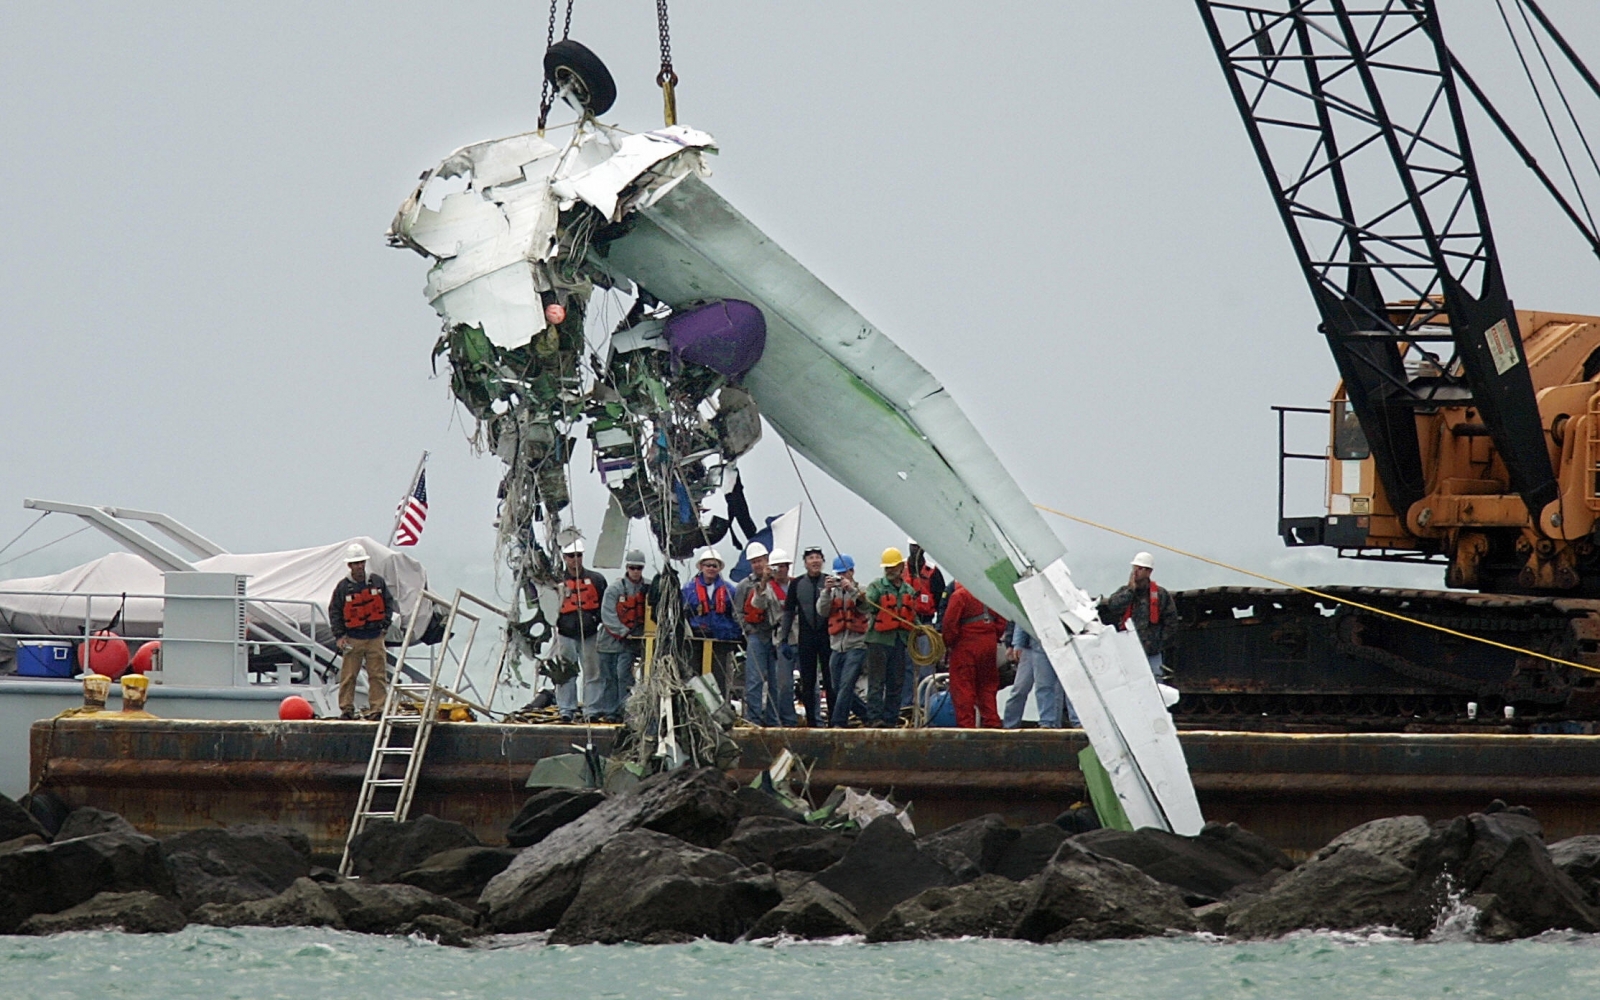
571,67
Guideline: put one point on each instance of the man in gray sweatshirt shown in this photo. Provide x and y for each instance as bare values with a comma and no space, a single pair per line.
619,641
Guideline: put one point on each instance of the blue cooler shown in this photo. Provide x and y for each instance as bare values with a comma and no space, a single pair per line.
45,659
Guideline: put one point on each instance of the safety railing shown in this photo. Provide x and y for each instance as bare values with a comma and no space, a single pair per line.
301,615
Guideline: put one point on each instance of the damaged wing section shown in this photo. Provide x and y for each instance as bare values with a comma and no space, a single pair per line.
726,328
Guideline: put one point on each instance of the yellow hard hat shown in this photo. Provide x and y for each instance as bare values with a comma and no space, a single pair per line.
891,557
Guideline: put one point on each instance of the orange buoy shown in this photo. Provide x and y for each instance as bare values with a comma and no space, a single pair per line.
144,658
106,653
295,709
555,313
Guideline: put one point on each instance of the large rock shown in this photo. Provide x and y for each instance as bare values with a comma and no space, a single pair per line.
536,888
1503,854
1579,859
16,821
441,930
1083,896
784,845
548,810
460,874
133,912
1398,838
52,877
883,867
385,848
653,888
982,840
303,904
988,906
755,802
1026,856
1344,891
234,865
386,908
88,821
810,911
1206,867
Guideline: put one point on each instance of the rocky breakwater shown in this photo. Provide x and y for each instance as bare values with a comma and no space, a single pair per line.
687,855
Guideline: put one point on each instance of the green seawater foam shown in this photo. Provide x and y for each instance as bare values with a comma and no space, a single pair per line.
248,963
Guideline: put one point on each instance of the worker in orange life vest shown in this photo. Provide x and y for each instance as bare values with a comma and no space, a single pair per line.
926,579
576,627
708,600
1149,608
359,614
758,618
971,633
849,618
893,603
620,641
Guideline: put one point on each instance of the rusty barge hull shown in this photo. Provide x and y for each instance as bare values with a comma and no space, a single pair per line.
1297,790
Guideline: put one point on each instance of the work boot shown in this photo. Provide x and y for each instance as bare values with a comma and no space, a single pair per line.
347,714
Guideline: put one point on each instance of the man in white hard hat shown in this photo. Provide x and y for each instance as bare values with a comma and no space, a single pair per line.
1149,608
360,613
621,635
577,625
757,619
784,635
708,599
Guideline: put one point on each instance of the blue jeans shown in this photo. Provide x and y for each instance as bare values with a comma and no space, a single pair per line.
845,666
886,677
1156,666
616,678
586,654
1035,673
783,693
760,680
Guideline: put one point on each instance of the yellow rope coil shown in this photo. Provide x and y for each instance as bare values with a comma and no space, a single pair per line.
925,654
1317,593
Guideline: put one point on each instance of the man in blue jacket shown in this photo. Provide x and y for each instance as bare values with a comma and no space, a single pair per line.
708,599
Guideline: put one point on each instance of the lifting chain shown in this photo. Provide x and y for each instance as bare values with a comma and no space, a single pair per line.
547,96
667,80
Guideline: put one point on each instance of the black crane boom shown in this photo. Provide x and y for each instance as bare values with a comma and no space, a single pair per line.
1352,108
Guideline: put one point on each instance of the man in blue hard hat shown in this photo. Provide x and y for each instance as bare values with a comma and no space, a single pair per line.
843,604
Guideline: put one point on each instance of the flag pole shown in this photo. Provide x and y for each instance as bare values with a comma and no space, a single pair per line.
411,487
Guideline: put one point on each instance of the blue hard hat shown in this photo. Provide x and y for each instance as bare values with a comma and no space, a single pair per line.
843,563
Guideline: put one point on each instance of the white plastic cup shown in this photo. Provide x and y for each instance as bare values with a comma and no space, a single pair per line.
1472,710
1511,711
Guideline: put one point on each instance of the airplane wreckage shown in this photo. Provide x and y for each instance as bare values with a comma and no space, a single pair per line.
725,329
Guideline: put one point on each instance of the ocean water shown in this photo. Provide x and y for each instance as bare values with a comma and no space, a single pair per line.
219,964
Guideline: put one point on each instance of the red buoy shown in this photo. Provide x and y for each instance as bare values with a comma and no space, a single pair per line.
555,313
144,658
295,709
106,653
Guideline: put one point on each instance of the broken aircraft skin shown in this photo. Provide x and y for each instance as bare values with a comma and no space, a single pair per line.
519,254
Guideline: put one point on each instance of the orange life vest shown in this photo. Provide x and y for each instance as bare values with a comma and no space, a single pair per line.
752,614
1155,606
363,608
703,599
924,602
895,611
846,616
630,611
579,594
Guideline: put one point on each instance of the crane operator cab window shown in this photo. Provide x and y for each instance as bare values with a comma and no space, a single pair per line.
1349,440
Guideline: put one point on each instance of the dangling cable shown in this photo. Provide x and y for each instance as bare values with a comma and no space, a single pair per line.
667,79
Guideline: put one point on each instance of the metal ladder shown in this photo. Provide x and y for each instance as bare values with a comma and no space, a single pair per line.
401,709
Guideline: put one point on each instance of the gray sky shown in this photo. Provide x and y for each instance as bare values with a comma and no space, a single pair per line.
1052,206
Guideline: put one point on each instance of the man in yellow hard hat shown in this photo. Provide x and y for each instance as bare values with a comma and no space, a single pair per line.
892,602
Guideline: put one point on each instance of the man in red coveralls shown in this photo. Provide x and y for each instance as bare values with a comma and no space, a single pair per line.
971,632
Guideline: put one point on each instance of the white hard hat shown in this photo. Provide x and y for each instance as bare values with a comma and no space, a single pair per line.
1145,559
573,548
709,554
633,558
780,556
754,550
355,552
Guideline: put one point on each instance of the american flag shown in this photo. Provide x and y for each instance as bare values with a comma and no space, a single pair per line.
413,513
